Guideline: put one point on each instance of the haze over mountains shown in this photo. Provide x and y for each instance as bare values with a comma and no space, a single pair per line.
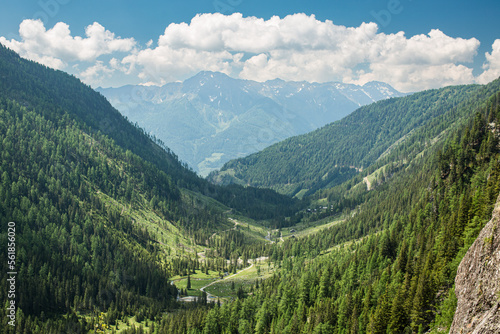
211,118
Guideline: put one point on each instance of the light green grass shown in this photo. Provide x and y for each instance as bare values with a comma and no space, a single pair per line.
253,231
170,237
198,280
301,193
245,278
196,285
306,228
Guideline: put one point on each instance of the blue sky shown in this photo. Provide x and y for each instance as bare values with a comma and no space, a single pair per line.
398,47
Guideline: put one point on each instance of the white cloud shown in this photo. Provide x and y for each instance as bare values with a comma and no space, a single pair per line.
492,65
313,66
300,47
296,47
411,78
421,62
56,47
164,64
216,32
93,75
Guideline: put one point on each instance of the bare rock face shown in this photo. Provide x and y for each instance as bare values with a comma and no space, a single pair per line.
477,284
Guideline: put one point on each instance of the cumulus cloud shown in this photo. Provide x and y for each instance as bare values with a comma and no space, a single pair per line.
216,32
93,75
165,64
300,47
297,47
492,65
56,47
420,62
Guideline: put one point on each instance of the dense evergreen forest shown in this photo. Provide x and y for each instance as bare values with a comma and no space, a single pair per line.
71,167
106,215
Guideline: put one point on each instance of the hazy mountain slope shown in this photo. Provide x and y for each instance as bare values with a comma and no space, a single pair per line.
324,157
212,118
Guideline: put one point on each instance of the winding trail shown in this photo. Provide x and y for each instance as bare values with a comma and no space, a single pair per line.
209,295
236,223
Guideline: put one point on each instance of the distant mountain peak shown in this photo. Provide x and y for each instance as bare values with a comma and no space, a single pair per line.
207,80
376,83
276,81
212,118
209,75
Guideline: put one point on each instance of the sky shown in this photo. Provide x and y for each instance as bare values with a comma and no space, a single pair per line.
411,44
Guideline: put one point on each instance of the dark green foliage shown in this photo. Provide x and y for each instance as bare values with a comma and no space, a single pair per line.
70,166
74,250
257,203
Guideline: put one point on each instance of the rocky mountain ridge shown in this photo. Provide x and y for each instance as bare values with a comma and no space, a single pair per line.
477,284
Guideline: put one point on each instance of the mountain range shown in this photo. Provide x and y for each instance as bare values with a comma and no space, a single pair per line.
211,118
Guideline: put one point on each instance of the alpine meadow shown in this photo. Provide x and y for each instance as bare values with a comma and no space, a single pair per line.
368,210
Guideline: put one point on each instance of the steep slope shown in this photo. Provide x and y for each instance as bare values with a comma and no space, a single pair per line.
77,249
31,85
63,96
102,214
334,153
78,202
477,284
212,118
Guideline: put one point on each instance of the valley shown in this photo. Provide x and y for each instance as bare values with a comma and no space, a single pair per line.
357,227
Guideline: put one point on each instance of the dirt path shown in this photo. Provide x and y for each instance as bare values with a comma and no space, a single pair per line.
368,183
209,295
236,223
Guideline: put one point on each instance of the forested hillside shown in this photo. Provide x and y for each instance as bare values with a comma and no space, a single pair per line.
104,214
336,152
75,251
390,267
57,95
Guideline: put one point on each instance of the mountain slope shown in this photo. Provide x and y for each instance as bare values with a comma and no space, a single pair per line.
66,97
334,153
75,249
478,271
390,266
212,118
103,214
